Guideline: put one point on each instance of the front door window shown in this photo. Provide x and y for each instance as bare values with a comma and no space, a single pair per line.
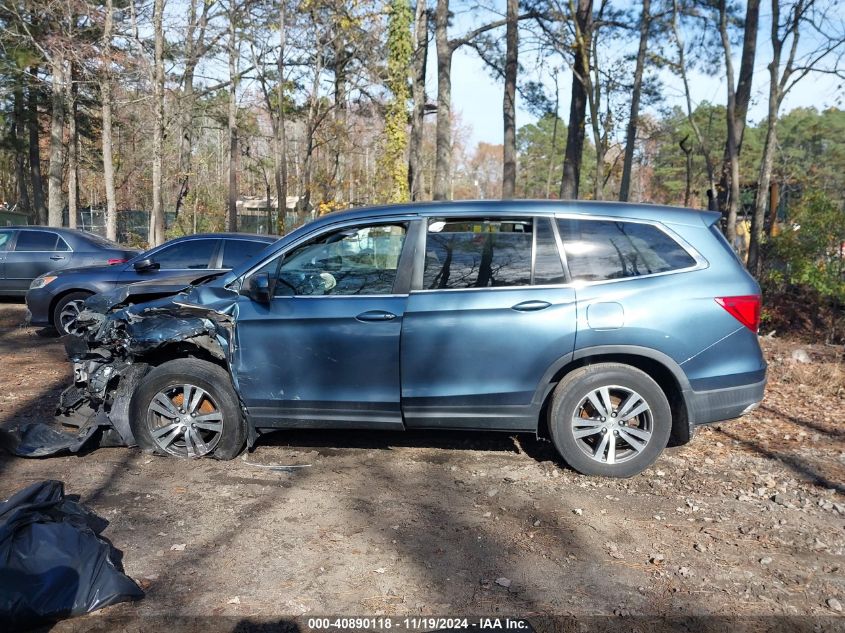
351,261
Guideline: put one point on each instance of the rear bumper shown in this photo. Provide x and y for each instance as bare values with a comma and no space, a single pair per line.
718,405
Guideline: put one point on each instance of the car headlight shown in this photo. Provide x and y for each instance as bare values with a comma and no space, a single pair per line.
40,282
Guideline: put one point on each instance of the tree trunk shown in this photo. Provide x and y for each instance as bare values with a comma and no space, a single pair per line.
738,101
509,100
339,150
761,202
105,93
699,137
35,151
687,150
575,133
194,48
553,150
156,236
415,142
281,167
443,133
55,202
18,125
73,149
232,123
633,119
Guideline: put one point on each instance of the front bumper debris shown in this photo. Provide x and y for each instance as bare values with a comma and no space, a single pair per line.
119,345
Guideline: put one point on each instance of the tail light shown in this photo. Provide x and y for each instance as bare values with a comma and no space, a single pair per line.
745,309
112,262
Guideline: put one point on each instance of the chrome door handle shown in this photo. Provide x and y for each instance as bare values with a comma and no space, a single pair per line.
531,306
376,315
57,257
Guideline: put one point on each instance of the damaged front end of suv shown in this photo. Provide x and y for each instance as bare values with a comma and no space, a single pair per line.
126,333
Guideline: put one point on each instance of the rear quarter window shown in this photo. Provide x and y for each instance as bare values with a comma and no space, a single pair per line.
599,250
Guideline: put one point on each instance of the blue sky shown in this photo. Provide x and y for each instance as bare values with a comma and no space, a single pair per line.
478,97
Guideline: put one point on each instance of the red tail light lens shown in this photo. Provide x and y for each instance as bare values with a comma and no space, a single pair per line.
112,262
745,309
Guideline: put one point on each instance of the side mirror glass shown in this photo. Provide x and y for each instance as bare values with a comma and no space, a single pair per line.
258,288
146,264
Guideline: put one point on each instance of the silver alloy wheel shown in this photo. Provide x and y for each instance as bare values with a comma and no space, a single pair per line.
69,315
612,424
185,421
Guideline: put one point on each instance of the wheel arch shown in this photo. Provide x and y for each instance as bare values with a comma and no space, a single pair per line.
660,367
207,350
64,293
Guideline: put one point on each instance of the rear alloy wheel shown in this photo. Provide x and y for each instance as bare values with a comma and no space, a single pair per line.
610,419
67,312
187,408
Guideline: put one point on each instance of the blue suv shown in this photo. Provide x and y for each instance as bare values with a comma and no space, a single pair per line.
607,328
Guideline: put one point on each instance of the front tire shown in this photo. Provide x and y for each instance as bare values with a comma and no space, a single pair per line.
188,408
609,419
67,310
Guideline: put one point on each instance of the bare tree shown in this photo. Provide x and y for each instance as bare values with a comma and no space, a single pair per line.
418,66
196,46
106,112
73,146
34,148
17,132
156,234
55,201
636,90
232,47
682,70
509,100
787,28
739,98
575,133
446,48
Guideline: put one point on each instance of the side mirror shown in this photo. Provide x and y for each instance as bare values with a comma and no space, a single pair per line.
146,264
258,288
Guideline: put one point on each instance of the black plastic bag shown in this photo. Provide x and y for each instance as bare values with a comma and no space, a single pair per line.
44,440
53,563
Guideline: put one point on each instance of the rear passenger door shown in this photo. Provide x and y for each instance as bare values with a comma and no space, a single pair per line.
488,321
35,252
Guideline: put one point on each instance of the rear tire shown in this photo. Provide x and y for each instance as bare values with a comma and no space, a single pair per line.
591,421
188,408
66,311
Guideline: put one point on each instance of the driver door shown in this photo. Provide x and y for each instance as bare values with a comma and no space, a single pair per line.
324,352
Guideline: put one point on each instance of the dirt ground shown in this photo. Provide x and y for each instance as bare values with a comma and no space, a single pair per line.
748,519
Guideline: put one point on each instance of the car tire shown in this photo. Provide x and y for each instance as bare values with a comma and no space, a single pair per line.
596,439
65,303
171,416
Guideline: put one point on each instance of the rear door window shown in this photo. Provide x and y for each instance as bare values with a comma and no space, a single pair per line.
191,254
32,241
236,252
469,253
599,250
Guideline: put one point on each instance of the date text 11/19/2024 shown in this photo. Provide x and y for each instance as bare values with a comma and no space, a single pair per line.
386,623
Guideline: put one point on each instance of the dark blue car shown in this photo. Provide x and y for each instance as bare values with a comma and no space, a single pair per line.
56,296
27,252
607,328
